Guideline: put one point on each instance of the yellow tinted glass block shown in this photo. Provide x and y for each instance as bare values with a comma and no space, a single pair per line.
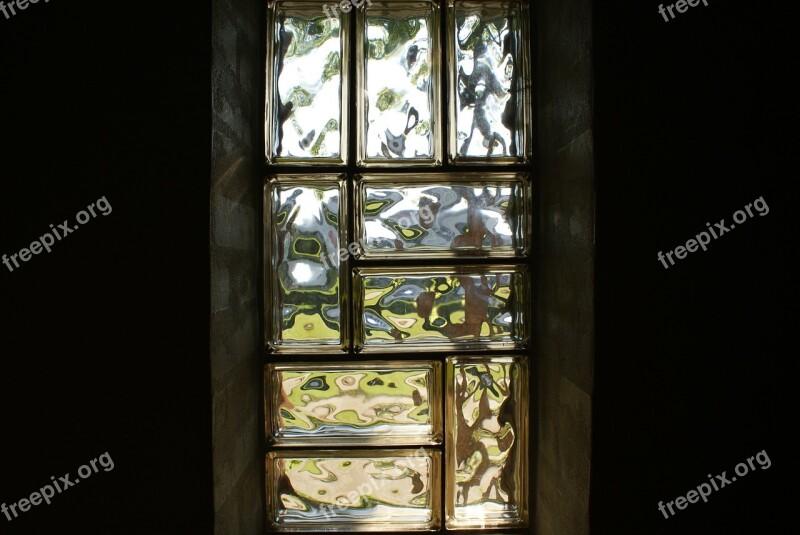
305,289
354,490
379,403
417,308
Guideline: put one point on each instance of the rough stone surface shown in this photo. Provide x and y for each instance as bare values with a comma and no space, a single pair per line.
237,156
565,284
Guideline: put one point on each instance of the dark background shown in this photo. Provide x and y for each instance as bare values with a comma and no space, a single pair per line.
104,342
693,122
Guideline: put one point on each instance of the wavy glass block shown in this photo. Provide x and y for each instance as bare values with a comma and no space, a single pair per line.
487,453
489,67
352,490
307,83
444,215
303,236
379,403
419,308
399,113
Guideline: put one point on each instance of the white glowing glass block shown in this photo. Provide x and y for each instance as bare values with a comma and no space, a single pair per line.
443,215
307,70
489,71
399,83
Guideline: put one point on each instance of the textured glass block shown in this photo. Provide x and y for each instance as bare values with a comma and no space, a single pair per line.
418,308
352,490
304,308
380,403
487,453
443,215
489,64
399,86
307,83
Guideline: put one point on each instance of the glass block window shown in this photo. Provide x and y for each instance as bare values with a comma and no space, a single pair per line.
488,65
308,61
398,240
305,222
399,83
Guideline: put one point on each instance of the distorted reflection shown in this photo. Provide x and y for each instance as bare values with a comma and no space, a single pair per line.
443,219
362,403
306,264
307,121
435,308
487,81
486,453
382,488
398,81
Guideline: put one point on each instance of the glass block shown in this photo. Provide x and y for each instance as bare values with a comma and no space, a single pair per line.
307,83
489,69
429,308
487,454
304,307
354,490
442,215
399,87
379,403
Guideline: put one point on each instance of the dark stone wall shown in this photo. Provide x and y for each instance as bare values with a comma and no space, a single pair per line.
237,158
565,285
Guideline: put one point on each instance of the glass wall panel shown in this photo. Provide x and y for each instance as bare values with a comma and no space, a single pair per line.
399,88
427,275
443,215
304,235
487,454
352,490
490,117
307,83
418,308
377,403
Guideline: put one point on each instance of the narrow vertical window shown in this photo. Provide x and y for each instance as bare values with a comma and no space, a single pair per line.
398,276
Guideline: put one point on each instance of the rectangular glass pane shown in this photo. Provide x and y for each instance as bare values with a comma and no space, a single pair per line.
489,68
378,403
442,215
352,490
307,79
399,87
303,233
487,454
413,309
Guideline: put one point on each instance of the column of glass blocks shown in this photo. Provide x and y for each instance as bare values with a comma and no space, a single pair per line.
435,265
